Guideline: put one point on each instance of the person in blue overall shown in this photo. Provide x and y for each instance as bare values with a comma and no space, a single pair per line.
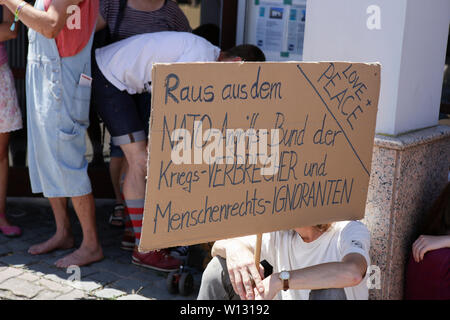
57,118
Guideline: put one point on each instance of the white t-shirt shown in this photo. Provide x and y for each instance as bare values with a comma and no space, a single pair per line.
127,64
293,253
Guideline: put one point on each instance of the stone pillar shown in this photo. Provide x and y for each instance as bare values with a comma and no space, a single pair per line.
408,173
411,156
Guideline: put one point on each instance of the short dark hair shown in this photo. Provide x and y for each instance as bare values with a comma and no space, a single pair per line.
246,52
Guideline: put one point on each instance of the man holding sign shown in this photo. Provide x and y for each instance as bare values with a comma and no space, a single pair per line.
324,262
318,120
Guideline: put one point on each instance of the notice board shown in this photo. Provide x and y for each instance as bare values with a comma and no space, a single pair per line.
245,148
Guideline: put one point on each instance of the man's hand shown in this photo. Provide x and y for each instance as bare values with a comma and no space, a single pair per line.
428,243
243,273
272,285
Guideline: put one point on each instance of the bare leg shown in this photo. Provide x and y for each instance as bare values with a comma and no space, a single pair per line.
134,184
4,167
116,165
63,238
90,250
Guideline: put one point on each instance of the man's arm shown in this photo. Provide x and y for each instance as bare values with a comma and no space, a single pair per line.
48,23
241,266
347,273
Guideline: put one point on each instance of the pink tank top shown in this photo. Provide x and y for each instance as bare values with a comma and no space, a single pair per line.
3,54
71,41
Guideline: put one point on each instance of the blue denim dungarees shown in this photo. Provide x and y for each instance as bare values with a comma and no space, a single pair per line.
57,117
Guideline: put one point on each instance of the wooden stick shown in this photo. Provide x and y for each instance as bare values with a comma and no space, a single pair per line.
258,250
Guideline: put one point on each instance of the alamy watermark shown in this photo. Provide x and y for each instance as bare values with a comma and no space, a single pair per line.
235,146
75,273
74,18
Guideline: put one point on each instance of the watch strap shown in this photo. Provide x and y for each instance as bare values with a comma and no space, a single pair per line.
285,285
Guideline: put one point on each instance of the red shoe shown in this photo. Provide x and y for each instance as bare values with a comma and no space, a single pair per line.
160,260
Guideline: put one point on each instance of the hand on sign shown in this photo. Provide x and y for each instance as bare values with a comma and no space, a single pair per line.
428,243
244,275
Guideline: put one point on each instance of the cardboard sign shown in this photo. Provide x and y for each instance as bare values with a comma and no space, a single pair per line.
245,148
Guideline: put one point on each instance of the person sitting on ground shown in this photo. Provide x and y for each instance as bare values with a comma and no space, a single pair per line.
125,68
323,262
430,255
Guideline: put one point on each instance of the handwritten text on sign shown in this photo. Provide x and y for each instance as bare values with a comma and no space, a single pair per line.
238,149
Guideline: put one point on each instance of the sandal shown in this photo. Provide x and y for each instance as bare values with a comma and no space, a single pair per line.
114,217
128,241
10,231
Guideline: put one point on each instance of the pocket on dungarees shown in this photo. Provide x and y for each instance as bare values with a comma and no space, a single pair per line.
77,117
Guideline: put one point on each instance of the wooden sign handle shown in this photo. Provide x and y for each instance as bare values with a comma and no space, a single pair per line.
258,250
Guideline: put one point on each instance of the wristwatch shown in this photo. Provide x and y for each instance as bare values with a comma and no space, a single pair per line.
284,277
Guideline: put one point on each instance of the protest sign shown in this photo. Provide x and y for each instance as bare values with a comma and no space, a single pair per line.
246,148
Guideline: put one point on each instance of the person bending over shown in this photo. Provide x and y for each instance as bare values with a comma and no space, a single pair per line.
122,73
324,262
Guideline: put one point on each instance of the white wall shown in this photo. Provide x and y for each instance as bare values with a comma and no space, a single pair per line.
410,45
422,65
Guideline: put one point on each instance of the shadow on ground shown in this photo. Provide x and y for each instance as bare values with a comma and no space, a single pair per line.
24,276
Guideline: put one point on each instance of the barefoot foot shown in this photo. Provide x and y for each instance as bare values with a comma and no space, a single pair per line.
54,243
80,257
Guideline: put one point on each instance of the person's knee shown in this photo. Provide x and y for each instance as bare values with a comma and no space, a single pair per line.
328,294
137,162
212,286
212,275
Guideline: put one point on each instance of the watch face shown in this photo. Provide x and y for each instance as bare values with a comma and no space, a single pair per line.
284,275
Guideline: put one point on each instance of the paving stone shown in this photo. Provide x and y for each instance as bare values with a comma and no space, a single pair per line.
125,270
115,272
8,295
130,285
73,295
47,295
29,276
86,271
21,287
18,245
104,277
4,249
9,272
147,275
19,259
54,286
44,269
109,293
86,286
133,297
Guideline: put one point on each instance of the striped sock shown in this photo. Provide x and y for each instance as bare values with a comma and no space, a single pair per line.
128,224
135,210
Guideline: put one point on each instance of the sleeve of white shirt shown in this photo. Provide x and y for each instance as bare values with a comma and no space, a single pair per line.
355,238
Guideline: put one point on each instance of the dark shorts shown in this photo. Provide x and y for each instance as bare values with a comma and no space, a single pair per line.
126,116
